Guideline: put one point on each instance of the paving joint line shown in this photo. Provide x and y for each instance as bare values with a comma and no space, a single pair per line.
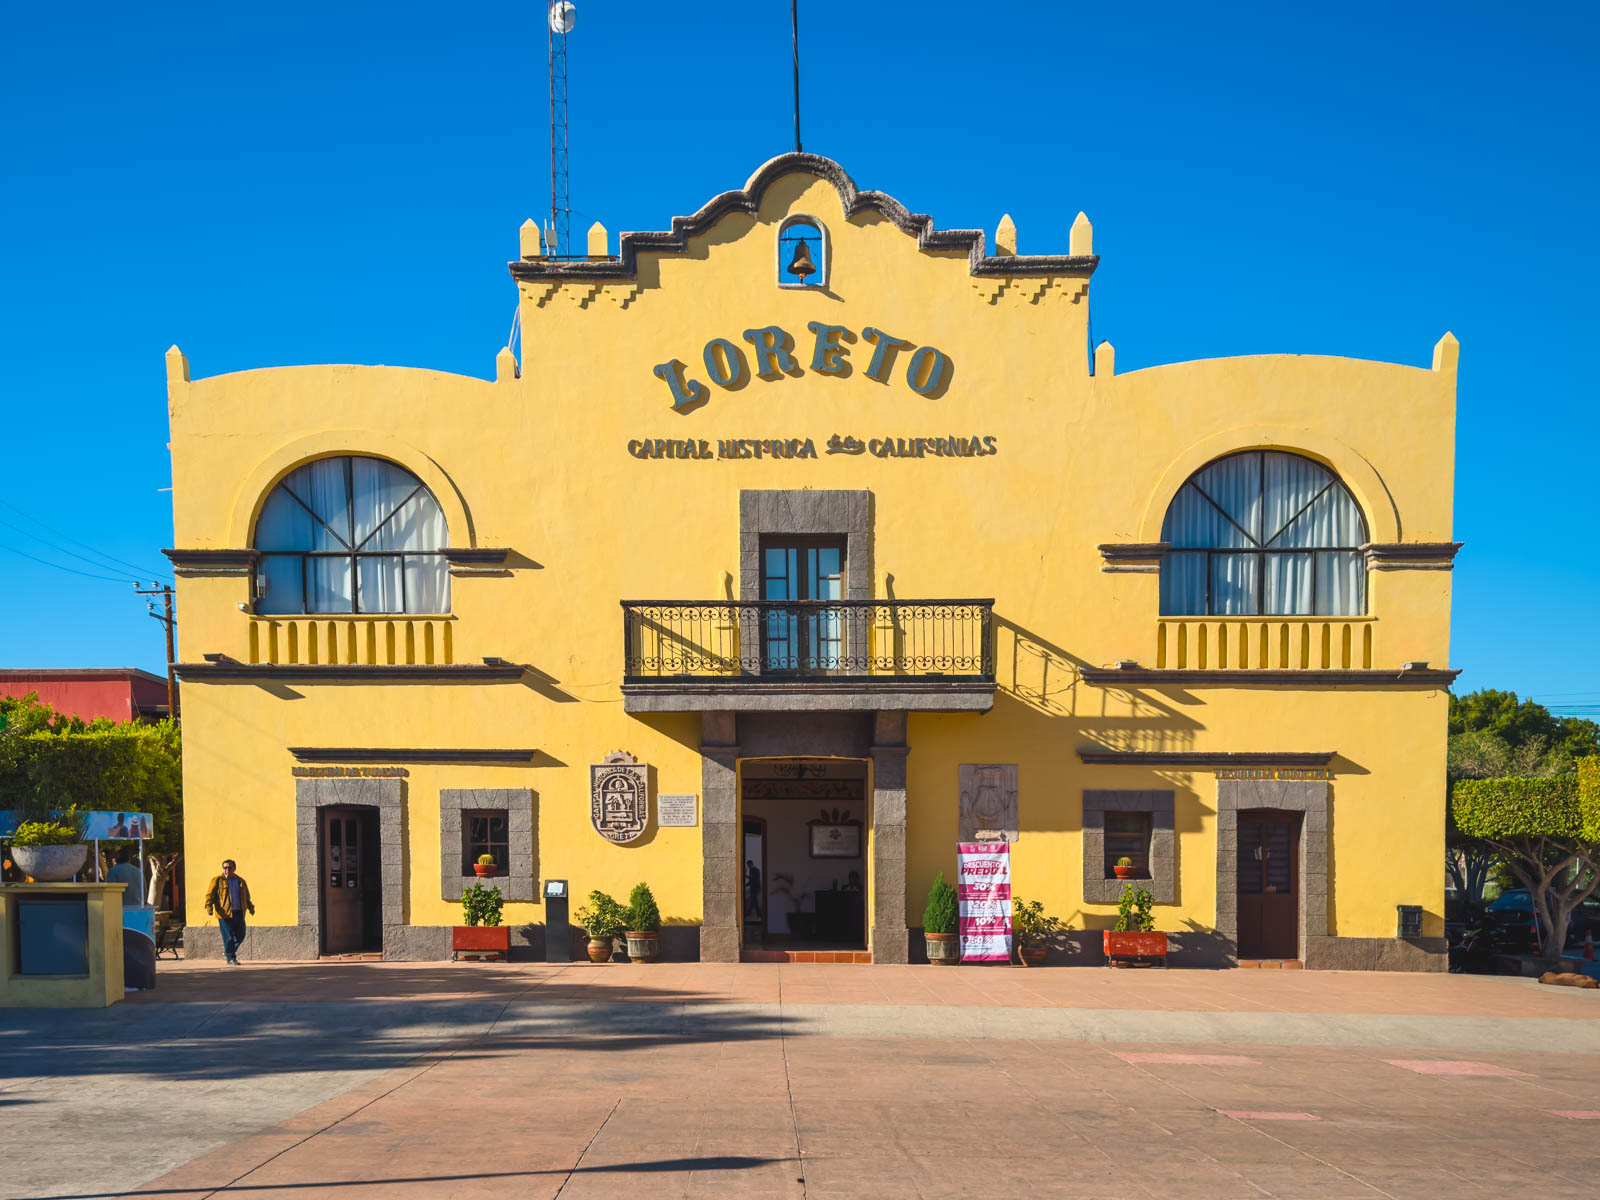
788,1089
594,1137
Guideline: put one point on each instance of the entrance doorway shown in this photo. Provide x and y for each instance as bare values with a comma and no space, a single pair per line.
1269,884
351,883
807,819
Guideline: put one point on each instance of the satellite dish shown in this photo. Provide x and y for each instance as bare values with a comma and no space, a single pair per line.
563,16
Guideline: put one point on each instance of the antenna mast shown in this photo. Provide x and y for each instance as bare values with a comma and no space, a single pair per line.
562,16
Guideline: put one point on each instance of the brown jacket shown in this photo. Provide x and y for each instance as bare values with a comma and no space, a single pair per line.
217,896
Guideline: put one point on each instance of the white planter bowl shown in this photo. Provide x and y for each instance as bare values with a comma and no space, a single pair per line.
50,864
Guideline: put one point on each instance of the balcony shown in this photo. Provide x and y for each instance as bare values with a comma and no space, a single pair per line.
816,655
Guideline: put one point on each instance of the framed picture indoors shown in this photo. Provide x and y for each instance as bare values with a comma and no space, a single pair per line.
835,835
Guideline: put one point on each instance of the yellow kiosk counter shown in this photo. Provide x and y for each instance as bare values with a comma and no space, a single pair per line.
60,945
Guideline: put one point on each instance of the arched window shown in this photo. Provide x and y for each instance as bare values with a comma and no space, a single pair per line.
802,253
352,535
1263,533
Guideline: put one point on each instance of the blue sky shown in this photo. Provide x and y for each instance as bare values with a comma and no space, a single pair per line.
312,183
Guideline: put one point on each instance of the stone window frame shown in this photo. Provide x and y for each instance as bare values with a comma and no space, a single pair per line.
1161,804
388,796
518,805
1309,798
806,512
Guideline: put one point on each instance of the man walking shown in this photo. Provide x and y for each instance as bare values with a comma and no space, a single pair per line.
229,897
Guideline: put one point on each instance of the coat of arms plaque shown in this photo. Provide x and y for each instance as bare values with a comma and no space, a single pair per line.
619,797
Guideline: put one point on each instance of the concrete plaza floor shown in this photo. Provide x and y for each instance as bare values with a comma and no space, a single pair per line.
440,1080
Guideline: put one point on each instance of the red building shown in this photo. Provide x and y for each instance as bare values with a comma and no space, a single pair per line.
121,693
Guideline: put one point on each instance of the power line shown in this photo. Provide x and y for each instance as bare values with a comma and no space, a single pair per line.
59,567
110,558
58,549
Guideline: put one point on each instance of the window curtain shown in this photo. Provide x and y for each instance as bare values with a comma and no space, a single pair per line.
1263,533
340,534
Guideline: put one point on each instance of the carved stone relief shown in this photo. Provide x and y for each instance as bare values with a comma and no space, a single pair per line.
988,794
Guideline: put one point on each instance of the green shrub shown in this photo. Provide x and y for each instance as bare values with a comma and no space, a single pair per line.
1557,806
943,912
643,914
603,917
1135,911
481,905
1029,922
47,833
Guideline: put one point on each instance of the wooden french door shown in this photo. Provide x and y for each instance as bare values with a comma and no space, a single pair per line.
1269,884
351,888
808,640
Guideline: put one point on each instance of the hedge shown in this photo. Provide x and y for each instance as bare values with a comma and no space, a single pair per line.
1559,806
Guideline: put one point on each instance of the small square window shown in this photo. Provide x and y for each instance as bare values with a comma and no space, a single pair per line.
1128,836
484,831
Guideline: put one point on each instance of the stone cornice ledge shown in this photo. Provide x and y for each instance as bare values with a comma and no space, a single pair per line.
1148,676
1411,556
213,562
1100,755
1133,558
225,670
748,200
396,757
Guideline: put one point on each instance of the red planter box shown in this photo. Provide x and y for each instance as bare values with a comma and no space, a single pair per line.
1135,945
481,939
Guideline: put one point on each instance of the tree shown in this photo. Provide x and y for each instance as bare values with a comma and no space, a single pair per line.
1494,735
1517,722
51,761
1547,831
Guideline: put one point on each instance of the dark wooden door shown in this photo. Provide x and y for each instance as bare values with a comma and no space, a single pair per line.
1269,884
346,880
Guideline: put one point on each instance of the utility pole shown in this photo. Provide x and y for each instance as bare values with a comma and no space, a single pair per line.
164,590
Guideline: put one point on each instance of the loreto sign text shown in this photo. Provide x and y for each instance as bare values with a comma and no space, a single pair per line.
701,449
771,354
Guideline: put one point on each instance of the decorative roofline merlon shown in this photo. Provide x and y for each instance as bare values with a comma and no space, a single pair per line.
748,200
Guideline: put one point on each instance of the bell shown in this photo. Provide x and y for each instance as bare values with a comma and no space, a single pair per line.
801,265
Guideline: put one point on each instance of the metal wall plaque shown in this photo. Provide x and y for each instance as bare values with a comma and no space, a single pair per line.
678,811
619,797
988,794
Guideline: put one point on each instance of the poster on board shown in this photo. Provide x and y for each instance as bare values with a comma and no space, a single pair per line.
117,826
983,886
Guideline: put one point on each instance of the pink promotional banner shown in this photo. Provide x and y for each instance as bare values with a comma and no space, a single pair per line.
983,885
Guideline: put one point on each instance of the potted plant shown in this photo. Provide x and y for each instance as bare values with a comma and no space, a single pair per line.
644,925
1032,929
940,920
483,933
50,850
605,920
484,868
1134,934
802,925
1123,867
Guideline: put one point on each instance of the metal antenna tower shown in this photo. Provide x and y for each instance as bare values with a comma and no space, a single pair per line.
562,16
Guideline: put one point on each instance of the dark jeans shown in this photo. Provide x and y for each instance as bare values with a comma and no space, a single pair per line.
232,934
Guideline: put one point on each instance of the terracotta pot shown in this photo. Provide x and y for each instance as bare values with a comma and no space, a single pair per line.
50,864
644,946
1134,944
481,939
944,948
483,871
1032,954
599,950
1123,872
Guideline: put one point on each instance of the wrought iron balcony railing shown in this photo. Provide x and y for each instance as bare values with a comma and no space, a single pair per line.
783,640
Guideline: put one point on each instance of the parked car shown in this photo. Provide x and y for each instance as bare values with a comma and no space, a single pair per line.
1513,927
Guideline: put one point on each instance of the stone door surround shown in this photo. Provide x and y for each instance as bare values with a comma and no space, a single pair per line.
1308,797
806,512
388,797
830,735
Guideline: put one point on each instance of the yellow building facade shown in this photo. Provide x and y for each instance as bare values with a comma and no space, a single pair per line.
768,585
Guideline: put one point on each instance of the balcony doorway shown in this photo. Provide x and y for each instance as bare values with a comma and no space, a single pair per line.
807,637
807,819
